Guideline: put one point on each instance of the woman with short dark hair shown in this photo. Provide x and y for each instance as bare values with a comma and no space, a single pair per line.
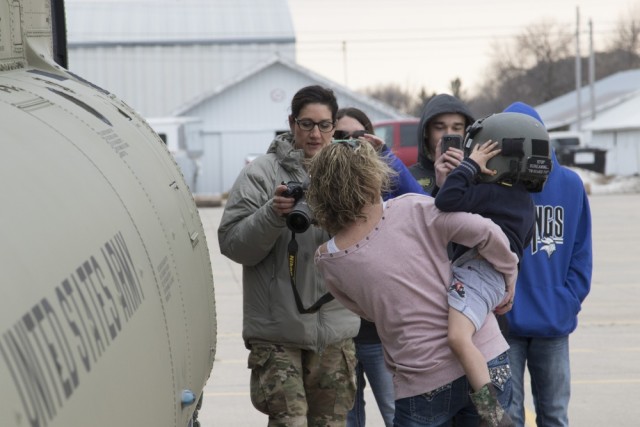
302,359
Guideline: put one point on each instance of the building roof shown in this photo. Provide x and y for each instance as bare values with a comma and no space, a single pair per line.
624,116
153,22
609,92
371,103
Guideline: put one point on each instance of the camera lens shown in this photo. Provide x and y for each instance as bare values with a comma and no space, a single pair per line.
298,221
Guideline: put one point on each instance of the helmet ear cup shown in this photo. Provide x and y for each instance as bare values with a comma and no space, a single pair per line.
525,152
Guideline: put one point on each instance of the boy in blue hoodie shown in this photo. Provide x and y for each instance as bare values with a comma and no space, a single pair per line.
554,280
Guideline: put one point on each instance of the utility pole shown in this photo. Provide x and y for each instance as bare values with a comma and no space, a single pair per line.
578,71
344,61
592,72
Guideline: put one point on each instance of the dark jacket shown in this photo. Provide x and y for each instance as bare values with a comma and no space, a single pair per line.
423,171
509,207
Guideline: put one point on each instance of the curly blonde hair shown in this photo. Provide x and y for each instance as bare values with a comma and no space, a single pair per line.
344,178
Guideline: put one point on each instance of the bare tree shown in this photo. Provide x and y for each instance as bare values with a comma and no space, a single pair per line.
536,66
533,68
626,40
401,99
423,98
456,88
391,94
530,68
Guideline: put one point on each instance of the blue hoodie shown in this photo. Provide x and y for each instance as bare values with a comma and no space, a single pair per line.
402,183
555,271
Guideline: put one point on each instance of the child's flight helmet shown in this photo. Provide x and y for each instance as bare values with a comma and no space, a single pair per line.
525,155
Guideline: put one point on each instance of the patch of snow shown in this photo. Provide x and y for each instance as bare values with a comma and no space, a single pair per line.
597,183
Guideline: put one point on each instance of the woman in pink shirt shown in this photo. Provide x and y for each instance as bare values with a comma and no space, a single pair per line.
388,263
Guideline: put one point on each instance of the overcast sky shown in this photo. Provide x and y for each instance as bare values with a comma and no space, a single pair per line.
427,43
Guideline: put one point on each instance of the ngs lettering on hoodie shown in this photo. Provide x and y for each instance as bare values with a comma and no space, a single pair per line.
549,229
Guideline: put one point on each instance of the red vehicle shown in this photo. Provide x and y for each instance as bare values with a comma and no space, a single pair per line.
401,136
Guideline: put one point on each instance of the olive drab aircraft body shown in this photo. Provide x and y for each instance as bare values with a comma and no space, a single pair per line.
107,314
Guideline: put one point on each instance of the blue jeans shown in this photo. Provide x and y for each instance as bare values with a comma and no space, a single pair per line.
548,363
371,362
439,407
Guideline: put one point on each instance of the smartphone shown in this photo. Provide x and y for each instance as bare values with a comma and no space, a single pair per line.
451,140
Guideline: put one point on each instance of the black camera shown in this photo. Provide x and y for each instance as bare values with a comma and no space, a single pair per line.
451,140
301,217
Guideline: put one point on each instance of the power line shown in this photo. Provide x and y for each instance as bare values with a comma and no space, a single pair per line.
376,39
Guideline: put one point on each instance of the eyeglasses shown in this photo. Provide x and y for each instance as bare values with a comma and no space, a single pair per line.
343,134
324,126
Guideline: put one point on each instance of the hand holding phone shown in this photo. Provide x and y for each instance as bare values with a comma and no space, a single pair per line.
451,140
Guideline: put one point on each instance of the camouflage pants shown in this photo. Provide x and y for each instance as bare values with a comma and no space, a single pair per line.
300,388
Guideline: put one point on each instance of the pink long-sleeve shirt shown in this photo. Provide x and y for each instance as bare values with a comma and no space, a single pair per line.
398,276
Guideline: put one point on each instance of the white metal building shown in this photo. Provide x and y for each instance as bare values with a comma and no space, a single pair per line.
226,65
560,112
159,54
611,123
243,117
618,131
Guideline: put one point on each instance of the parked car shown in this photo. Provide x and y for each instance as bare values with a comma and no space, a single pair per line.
401,136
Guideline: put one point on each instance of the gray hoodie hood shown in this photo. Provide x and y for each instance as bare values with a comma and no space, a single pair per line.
439,104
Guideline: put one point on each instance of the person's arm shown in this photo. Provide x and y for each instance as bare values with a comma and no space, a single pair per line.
457,193
404,182
581,264
250,225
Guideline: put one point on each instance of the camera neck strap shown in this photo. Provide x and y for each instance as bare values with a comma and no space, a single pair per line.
293,251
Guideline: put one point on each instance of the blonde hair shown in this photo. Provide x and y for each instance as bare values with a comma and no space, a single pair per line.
344,178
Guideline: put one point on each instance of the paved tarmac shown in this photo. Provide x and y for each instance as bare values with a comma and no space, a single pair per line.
605,349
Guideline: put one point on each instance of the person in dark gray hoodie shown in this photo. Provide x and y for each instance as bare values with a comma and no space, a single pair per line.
443,114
